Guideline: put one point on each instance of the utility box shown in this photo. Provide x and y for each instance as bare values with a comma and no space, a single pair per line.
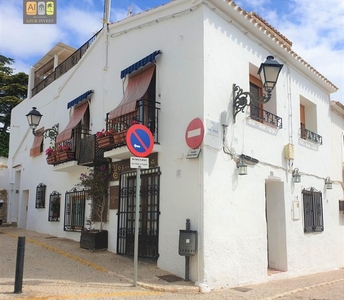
187,242
289,151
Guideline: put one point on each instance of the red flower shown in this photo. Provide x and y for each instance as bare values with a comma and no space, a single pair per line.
104,132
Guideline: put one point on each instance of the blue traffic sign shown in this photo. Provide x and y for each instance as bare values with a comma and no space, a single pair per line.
140,140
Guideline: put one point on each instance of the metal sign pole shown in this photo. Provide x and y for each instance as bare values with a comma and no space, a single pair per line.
137,216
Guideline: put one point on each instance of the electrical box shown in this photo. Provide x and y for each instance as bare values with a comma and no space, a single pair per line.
187,242
296,210
289,151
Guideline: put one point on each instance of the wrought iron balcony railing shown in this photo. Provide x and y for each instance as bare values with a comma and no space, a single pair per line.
65,66
81,147
146,113
264,116
310,136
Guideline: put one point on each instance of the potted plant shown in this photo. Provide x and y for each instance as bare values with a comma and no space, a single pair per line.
96,184
64,152
105,138
51,155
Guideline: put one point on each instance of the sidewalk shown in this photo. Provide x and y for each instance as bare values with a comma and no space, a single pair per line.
49,257
119,267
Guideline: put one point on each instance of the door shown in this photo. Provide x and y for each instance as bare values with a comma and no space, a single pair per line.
148,214
276,226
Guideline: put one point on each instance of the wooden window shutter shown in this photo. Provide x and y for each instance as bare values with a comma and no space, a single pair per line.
318,212
307,211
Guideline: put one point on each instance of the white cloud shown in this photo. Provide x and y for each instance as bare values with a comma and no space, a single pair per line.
316,30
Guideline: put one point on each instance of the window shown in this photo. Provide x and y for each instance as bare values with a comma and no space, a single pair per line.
54,207
263,113
256,109
37,145
74,216
40,195
308,122
312,210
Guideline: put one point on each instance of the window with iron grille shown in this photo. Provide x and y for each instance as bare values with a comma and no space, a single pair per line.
54,207
74,216
312,210
40,195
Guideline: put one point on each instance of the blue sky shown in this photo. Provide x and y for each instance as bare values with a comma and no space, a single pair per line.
316,29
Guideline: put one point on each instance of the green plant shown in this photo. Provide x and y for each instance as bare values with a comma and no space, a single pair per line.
96,184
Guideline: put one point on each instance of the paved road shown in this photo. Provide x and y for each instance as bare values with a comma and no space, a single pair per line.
57,268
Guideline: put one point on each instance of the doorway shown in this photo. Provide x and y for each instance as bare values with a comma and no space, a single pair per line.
276,226
148,215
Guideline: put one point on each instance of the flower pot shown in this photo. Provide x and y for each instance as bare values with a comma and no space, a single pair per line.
94,239
119,137
51,159
65,156
105,141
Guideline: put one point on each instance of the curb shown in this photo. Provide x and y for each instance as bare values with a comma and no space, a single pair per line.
170,288
302,289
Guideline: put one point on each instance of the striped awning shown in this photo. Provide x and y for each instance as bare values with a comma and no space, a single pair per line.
79,99
141,63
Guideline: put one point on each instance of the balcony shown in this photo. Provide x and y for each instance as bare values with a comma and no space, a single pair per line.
64,67
260,115
146,113
310,136
81,151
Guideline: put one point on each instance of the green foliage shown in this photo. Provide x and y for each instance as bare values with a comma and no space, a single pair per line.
4,144
13,89
96,184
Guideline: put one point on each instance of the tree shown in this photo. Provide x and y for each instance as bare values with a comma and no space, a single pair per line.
13,90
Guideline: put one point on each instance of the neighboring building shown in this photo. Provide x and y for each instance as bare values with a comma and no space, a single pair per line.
163,68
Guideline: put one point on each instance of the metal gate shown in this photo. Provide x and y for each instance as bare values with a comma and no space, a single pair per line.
149,213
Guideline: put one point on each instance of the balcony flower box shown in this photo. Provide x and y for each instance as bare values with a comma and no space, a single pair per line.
119,137
65,155
51,159
105,141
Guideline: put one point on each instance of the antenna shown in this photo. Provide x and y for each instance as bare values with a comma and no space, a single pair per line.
129,10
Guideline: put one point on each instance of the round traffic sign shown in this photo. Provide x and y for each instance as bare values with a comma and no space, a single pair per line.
194,133
140,141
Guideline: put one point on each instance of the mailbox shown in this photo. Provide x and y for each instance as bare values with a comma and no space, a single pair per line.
1,202
187,242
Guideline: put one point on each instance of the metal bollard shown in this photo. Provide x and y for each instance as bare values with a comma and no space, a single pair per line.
19,265
187,258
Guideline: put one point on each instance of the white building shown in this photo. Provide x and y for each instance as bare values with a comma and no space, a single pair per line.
185,57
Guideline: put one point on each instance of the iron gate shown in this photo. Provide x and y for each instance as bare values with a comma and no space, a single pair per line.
149,213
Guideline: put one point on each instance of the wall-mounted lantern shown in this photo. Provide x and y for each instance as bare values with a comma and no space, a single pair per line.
296,176
242,167
268,73
33,118
328,183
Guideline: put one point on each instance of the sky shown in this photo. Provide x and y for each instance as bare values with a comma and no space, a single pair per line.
316,29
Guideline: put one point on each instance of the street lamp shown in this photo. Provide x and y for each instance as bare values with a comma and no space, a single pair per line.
268,73
242,167
33,118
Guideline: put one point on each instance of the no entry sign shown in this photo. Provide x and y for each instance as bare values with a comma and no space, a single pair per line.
140,140
194,133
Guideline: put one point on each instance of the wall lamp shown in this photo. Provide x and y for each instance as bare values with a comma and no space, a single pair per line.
242,167
268,73
296,176
328,183
34,117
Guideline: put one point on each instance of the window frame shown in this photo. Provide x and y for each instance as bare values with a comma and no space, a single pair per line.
40,195
54,207
312,210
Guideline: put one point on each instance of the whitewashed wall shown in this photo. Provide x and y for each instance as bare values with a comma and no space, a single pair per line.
202,56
